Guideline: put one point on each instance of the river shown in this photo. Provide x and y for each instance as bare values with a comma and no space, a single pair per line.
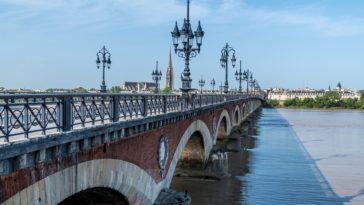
291,157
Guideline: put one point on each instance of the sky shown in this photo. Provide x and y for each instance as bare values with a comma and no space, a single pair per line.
285,43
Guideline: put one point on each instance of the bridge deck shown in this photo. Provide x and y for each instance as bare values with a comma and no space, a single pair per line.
32,115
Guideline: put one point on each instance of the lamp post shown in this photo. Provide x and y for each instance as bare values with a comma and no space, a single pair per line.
257,87
106,62
246,75
201,83
157,75
252,83
224,63
239,77
221,87
213,85
187,51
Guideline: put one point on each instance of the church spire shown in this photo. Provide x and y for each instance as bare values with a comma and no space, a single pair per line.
169,76
170,58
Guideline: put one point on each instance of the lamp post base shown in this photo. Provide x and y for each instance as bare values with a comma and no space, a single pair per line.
226,89
103,88
187,98
186,90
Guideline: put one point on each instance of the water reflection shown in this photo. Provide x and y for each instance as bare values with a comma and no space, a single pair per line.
228,190
335,140
208,191
281,172
273,167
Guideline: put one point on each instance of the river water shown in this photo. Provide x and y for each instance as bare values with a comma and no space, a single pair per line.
291,157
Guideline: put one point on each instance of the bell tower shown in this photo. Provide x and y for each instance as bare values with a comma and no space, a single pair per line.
169,76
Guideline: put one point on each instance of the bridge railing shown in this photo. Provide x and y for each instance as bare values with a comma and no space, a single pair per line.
31,115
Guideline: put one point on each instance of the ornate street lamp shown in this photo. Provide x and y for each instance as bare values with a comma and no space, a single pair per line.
201,83
252,83
157,75
256,87
187,52
224,60
221,87
106,62
246,75
213,85
239,77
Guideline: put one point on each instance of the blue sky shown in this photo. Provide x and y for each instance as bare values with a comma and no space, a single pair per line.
286,43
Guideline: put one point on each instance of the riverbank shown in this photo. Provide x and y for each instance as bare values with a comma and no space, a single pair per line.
313,108
331,100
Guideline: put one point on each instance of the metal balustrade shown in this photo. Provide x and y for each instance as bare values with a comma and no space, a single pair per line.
31,115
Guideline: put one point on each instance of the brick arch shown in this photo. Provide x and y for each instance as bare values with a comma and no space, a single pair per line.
196,126
97,195
224,115
236,116
244,110
128,179
194,150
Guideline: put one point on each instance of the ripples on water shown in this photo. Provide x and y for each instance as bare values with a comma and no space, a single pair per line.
335,140
274,169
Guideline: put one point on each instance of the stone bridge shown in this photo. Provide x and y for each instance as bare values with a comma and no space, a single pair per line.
122,149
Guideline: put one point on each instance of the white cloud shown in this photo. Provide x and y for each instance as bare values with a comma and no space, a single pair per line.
158,11
328,26
96,14
308,16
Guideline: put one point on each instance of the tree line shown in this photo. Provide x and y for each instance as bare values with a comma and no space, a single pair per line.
330,100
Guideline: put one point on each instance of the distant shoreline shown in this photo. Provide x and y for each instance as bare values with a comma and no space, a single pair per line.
314,108
329,101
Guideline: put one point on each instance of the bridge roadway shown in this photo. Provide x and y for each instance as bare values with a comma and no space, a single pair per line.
120,147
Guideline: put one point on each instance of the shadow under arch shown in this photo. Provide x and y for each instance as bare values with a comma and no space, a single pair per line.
193,154
243,111
197,131
224,126
237,116
97,195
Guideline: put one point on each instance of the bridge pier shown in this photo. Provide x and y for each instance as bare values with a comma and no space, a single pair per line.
216,165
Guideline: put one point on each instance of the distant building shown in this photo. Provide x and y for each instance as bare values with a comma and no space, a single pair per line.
169,76
138,86
17,91
286,94
338,86
290,94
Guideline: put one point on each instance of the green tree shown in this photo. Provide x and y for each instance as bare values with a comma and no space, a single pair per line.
319,102
115,89
308,102
295,102
50,90
349,103
288,103
80,90
362,97
272,103
331,99
167,90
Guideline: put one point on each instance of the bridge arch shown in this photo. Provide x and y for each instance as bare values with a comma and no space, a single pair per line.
243,111
236,116
132,182
223,126
98,195
194,151
196,129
